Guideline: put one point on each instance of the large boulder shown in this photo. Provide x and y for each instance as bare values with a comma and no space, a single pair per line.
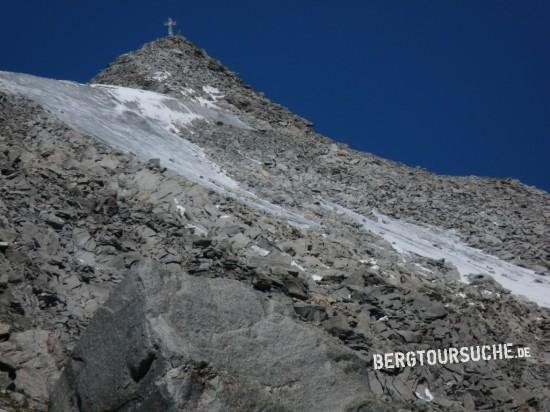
171,341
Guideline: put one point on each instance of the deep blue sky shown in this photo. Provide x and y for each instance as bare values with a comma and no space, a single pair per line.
458,87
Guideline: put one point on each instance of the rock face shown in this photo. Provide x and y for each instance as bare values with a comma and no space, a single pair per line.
230,342
127,285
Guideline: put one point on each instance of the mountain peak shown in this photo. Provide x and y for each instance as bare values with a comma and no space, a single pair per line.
174,56
174,66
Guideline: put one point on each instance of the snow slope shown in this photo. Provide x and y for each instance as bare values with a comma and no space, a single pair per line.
144,123
407,238
150,125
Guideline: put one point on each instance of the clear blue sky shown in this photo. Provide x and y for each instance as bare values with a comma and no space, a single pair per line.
458,87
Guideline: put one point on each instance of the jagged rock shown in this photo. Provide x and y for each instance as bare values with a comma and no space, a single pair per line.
295,287
409,336
202,243
54,221
338,325
5,330
311,313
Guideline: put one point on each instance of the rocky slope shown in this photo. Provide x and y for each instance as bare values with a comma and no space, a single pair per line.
500,216
136,285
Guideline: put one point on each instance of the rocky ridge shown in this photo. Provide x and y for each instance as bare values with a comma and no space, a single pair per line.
219,306
500,216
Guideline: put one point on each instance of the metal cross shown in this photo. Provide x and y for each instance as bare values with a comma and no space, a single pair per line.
170,23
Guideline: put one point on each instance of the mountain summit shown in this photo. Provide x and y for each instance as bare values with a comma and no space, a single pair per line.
174,66
483,211
172,240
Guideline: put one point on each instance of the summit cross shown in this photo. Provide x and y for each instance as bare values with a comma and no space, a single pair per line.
170,24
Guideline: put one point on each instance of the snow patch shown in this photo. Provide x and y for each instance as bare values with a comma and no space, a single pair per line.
161,76
422,268
371,262
187,91
424,395
214,95
258,250
213,92
410,239
143,123
296,265
179,208
205,102
171,114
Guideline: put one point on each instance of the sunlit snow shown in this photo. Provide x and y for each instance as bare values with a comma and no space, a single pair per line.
161,76
259,251
143,123
150,125
296,265
213,92
411,239
426,396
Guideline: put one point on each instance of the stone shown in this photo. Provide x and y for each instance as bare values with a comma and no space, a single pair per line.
502,395
374,384
5,330
311,313
36,361
239,241
295,287
154,164
409,336
202,243
90,307
338,325
6,383
468,402
232,230
355,279
54,221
